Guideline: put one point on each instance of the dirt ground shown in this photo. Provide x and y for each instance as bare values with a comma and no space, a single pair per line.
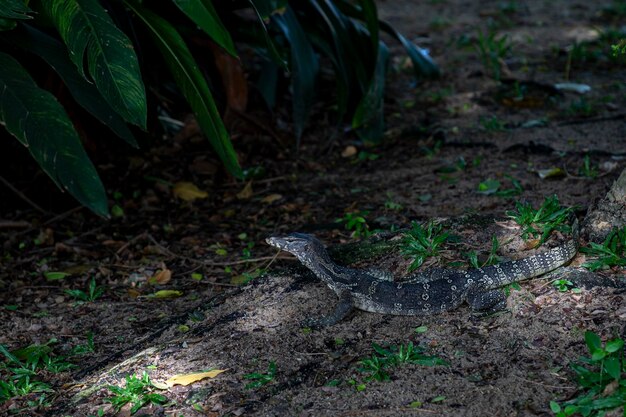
509,364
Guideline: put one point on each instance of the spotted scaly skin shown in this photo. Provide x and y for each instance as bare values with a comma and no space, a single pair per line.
419,294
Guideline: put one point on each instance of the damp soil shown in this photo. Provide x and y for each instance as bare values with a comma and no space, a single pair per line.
443,139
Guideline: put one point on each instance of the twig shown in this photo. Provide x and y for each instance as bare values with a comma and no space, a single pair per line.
241,261
148,236
269,263
22,195
12,224
53,220
544,385
558,274
63,215
256,182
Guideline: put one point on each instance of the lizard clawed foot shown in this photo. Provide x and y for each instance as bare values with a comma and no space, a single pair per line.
310,323
487,302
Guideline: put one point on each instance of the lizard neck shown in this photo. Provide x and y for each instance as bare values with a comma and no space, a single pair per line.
335,276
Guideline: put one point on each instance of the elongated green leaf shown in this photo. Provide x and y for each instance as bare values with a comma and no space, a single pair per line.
368,118
370,15
304,68
86,27
339,37
272,51
267,82
203,14
191,82
14,9
84,92
266,8
423,64
39,122
343,83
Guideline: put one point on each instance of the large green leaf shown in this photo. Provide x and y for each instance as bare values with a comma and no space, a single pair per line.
14,9
368,120
203,14
191,82
84,92
86,27
40,123
304,68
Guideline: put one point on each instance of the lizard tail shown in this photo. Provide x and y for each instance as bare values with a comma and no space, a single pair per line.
495,276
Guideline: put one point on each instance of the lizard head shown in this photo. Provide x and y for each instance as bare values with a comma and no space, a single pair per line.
299,244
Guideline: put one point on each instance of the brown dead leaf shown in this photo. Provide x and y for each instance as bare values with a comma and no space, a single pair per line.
203,167
113,244
77,269
610,388
235,82
186,379
188,191
349,151
532,243
246,193
162,277
271,198
133,293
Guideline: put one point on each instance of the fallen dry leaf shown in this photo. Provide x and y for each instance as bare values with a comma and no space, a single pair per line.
246,193
161,277
188,191
610,388
349,151
186,379
233,78
532,243
133,293
271,198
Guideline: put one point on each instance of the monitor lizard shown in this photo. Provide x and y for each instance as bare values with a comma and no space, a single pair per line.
419,294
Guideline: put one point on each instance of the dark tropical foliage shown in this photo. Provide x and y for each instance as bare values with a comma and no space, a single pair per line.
93,46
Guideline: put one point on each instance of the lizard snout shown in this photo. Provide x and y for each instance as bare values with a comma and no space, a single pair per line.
273,241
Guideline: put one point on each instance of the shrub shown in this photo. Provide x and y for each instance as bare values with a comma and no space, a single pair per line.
86,43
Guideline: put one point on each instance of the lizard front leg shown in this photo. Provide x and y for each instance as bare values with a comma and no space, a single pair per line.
487,301
343,308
